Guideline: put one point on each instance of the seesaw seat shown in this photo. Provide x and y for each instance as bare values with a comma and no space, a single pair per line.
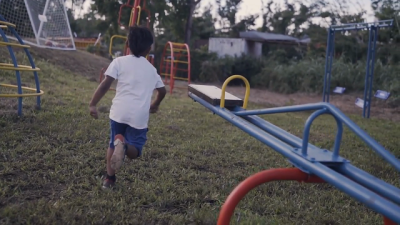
212,95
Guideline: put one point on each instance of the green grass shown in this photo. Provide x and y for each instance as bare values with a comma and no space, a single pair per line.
52,161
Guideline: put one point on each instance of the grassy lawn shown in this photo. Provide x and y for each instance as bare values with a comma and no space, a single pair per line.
52,161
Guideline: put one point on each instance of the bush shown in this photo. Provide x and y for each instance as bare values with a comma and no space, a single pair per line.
220,69
198,58
98,50
303,76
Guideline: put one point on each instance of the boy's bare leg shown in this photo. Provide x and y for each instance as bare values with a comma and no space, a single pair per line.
118,155
110,171
131,151
110,178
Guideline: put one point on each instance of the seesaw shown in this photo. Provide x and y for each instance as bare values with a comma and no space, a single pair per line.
312,163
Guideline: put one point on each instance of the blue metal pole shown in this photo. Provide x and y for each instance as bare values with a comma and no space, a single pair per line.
367,73
328,43
284,109
277,132
328,64
339,115
386,190
372,69
362,194
17,73
31,61
379,149
306,132
377,185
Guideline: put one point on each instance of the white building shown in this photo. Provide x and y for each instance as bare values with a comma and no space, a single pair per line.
250,43
234,47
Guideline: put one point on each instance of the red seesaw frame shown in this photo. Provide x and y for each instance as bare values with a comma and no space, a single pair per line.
288,174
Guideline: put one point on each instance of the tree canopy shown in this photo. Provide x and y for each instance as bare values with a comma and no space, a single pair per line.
184,20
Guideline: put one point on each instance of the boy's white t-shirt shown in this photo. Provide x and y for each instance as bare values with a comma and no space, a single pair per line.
137,79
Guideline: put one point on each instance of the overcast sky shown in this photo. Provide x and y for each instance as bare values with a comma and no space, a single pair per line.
254,7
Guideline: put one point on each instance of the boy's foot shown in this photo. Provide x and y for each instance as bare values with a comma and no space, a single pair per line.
108,183
119,152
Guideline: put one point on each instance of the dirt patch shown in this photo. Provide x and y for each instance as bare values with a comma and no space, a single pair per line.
90,65
345,102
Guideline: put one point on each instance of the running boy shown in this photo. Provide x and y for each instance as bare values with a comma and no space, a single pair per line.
129,113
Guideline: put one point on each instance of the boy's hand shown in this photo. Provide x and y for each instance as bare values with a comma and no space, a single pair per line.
93,112
153,108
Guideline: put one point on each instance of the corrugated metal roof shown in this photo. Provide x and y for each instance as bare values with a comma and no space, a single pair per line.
263,37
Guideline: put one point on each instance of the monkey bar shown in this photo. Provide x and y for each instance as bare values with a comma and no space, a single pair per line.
35,92
313,164
135,15
175,64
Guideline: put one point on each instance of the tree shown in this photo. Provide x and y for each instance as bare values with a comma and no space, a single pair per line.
203,25
228,12
180,18
189,19
385,10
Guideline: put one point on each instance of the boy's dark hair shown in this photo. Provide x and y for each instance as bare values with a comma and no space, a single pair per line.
140,40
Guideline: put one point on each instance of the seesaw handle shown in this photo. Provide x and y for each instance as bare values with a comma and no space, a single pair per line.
246,96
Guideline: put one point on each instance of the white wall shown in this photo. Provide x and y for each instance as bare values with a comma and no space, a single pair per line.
234,47
254,48
227,46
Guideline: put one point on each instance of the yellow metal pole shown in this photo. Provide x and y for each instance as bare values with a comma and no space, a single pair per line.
246,96
111,42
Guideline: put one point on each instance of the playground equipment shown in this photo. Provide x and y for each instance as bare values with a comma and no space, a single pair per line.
136,10
373,34
18,68
313,164
135,14
174,55
41,23
83,43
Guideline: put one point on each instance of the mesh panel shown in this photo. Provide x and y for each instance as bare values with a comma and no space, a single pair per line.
44,24
15,12
55,32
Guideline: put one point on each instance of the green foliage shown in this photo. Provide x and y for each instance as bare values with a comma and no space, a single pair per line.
199,58
286,69
52,162
290,76
217,70
98,50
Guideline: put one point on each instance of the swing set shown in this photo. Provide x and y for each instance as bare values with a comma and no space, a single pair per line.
175,59
373,28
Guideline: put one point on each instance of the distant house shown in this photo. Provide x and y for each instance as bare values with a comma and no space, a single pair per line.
234,47
250,43
274,38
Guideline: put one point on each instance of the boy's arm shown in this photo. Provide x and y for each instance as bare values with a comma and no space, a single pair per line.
161,92
101,90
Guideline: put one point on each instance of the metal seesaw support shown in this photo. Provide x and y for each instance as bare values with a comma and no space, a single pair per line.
312,161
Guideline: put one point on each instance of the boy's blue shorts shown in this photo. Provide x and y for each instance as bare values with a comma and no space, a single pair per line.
133,136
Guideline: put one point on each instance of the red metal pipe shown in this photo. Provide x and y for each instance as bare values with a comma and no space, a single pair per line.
188,57
134,20
387,221
290,174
